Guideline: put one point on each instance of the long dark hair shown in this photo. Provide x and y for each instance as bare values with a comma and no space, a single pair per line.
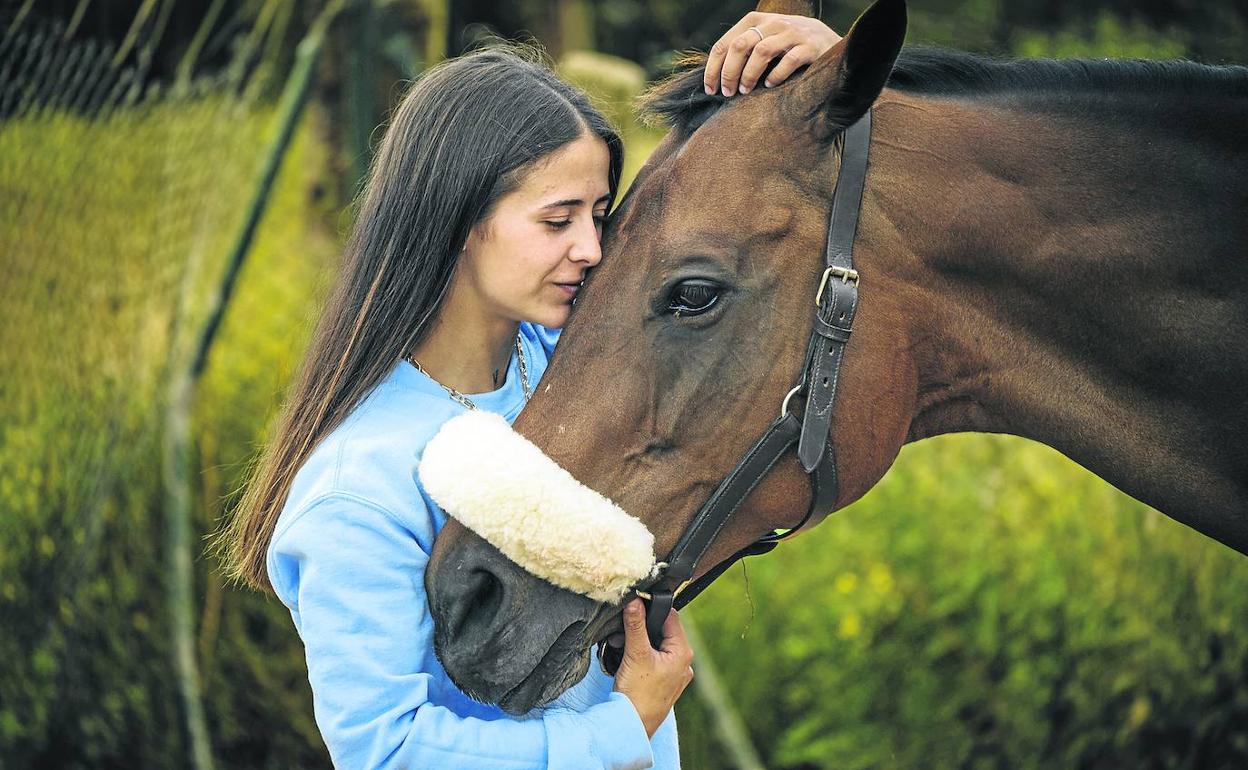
461,138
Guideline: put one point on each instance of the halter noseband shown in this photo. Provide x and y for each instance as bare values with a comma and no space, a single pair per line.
836,300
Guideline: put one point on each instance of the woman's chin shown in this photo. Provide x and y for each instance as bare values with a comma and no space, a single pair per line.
552,317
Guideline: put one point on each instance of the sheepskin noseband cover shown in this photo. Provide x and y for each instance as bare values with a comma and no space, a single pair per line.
501,486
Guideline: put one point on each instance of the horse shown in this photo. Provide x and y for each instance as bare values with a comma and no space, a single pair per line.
1052,249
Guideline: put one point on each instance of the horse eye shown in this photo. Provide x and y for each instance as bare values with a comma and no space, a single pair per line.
693,297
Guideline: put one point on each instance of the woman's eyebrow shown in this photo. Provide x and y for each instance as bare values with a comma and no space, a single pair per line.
575,202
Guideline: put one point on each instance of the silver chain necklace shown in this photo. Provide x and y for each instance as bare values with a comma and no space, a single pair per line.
467,402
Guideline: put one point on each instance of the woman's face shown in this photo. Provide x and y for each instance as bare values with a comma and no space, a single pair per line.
526,261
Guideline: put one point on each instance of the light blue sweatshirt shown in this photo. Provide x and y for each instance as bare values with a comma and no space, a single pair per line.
348,559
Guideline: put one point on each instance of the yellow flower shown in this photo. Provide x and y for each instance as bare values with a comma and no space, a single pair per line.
880,578
851,626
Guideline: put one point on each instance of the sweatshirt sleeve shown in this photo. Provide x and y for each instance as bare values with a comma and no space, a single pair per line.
353,577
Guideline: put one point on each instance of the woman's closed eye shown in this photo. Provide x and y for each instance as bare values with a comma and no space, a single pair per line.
559,224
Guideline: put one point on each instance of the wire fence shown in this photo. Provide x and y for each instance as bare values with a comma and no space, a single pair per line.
122,200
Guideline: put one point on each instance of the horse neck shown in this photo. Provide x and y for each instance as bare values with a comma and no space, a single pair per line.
1080,282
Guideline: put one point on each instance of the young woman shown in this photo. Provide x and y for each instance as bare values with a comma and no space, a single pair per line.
481,217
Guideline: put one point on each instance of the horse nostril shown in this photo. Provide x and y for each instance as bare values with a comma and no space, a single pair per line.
482,600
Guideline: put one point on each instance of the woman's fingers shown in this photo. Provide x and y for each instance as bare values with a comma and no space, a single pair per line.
739,58
739,51
766,52
798,56
723,47
762,42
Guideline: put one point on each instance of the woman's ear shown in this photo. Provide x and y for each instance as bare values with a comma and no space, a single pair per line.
479,232
841,86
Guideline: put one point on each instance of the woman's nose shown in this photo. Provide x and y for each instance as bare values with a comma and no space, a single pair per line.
587,247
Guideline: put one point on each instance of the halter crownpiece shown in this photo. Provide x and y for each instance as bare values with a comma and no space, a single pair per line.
498,484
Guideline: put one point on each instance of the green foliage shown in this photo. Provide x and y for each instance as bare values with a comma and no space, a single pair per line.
989,604
101,220
971,25
251,659
1108,36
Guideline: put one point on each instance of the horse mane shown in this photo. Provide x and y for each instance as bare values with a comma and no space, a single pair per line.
680,102
945,72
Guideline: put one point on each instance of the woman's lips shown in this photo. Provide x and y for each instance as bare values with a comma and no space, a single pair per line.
569,288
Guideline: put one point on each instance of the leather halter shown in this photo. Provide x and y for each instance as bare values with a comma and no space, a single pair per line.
836,300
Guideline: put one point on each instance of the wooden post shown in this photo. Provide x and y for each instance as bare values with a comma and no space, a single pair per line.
187,361
576,26
359,108
437,31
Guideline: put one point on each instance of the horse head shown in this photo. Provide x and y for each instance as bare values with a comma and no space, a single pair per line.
682,346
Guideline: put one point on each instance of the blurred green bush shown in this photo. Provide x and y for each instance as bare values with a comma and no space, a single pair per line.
101,220
989,604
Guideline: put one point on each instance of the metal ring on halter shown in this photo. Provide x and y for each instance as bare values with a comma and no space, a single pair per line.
784,407
760,33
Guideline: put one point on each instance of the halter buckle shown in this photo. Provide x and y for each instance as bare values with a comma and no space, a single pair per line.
846,274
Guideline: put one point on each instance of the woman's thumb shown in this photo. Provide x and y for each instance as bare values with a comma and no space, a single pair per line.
635,639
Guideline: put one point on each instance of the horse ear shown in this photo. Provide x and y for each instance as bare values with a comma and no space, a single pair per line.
791,7
842,84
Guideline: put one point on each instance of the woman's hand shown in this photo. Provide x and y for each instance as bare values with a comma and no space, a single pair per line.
738,59
653,679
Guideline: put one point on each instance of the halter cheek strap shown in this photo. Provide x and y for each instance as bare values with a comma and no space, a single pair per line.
836,301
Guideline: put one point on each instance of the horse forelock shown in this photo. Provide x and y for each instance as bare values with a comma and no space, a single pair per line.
679,101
